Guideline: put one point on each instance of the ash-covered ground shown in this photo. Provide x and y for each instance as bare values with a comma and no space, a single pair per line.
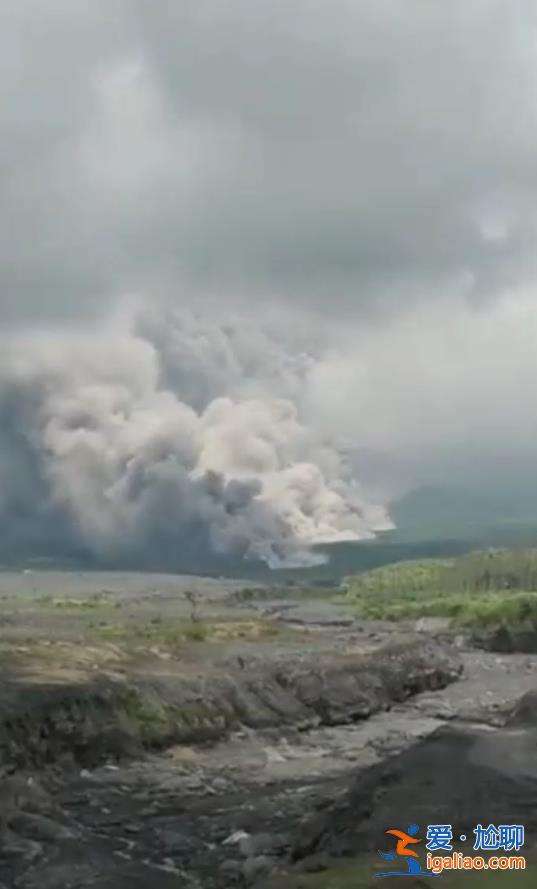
163,731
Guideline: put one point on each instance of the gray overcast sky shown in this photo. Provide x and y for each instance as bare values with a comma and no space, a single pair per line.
369,167
357,152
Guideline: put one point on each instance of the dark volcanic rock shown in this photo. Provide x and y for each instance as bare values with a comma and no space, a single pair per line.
508,640
113,718
524,713
164,821
173,820
459,776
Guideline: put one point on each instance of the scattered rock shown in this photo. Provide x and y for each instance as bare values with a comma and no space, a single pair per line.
458,775
40,828
508,640
173,841
235,838
432,624
231,868
524,713
273,755
255,867
256,844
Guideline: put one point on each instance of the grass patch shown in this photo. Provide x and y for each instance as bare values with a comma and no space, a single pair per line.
515,610
487,610
196,631
155,632
170,635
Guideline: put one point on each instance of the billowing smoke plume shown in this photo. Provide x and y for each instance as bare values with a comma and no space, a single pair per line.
167,435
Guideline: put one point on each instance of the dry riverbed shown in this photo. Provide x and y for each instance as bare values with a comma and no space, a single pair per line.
141,747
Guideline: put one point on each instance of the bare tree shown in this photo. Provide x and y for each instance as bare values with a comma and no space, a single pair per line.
193,598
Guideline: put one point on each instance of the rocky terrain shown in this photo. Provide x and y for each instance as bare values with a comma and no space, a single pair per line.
151,738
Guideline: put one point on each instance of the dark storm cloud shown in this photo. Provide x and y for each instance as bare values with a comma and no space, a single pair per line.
356,150
361,142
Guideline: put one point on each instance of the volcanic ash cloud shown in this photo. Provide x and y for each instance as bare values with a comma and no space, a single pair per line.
130,438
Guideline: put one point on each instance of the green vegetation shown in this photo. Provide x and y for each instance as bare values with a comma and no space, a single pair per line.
196,631
500,569
291,590
487,588
481,571
404,577
150,718
158,633
491,609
